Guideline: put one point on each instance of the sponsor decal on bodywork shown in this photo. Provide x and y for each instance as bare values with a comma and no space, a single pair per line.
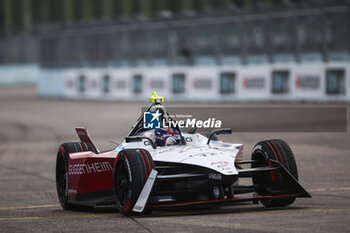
97,167
215,176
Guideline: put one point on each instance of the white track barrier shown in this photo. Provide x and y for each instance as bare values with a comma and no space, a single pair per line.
280,82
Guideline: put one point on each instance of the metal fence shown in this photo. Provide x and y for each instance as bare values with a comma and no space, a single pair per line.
299,35
19,49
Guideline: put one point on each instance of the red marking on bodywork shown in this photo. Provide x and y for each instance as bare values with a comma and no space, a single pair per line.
91,181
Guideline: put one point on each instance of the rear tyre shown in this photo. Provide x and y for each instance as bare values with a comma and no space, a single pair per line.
131,170
280,151
62,170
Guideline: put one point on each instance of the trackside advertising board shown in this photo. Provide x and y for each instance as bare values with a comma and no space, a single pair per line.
280,82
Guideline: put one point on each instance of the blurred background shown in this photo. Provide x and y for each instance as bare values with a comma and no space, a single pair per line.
187,50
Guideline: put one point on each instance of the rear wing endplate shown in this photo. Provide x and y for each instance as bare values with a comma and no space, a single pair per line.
84,137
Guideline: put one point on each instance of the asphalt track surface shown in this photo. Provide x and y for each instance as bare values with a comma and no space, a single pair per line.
31,130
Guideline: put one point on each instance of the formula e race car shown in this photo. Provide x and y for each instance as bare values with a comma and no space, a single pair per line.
145,172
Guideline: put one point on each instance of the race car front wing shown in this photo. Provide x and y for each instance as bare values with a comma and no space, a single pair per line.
294,189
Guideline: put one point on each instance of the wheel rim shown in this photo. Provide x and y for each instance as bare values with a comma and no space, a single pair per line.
61,178
122,184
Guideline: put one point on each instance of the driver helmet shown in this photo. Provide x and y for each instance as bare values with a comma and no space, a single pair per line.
166,137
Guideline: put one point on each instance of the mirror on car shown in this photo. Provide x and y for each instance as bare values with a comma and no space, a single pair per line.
218,132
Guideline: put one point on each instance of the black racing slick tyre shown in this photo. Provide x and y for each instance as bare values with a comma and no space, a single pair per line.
280,151
62,170
131,170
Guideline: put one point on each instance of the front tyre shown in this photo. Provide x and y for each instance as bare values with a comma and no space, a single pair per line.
280,151
131,170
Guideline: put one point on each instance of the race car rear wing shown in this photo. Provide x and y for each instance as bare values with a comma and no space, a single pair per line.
84,137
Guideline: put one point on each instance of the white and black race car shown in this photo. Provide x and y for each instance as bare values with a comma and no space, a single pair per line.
196,169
